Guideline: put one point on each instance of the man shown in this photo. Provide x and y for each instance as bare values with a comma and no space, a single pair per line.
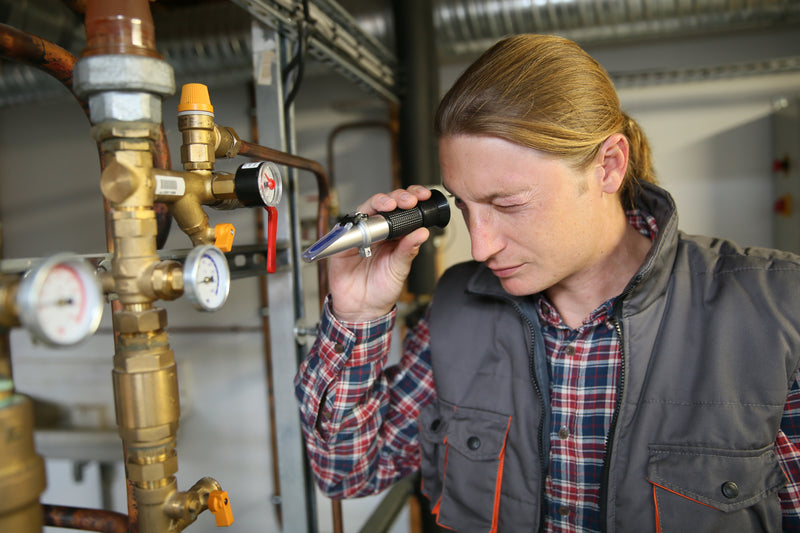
594,369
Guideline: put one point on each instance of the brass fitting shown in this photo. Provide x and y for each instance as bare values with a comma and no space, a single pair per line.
148,410
139,321
22,474
165,280
228,142
184,507
8,304
197,150
188,210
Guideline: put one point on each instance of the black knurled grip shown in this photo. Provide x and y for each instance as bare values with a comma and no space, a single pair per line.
434,211
403,221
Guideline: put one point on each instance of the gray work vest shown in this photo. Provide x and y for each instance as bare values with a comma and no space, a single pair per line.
710,341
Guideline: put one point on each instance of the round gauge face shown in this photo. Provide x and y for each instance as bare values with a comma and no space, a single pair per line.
269,184
206,278
60,302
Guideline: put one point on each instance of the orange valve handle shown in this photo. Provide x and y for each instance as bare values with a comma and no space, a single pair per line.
223,236
220,505
272,237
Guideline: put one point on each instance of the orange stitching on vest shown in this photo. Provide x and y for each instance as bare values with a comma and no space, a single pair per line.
499,482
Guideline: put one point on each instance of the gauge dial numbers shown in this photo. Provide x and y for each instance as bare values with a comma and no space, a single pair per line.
206,278
60,301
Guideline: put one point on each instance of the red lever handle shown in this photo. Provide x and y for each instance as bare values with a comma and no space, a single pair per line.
272,237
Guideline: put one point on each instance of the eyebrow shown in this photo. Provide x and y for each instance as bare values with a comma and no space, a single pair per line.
488,198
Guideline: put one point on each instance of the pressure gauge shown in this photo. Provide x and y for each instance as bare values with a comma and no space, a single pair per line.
206,278
60,301
258,184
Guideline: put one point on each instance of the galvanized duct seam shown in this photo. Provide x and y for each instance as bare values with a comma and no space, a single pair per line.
20,84
467,27
781,65
197,48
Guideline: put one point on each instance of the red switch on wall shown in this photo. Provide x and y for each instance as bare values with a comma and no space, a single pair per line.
781,165
783,205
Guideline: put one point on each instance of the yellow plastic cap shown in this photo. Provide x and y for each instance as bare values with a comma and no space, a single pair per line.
194,97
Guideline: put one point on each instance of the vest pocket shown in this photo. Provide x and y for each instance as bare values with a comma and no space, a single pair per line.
463,451
710,489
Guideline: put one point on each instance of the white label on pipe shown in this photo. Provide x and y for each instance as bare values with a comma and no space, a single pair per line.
170,185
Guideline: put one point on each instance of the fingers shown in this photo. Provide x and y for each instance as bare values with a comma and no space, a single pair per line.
411,243
399,198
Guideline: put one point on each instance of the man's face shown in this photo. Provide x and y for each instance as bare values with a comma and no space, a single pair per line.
532,219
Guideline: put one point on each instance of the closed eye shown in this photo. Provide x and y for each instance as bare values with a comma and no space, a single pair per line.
509,207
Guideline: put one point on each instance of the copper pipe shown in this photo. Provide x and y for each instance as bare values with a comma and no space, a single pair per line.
5,353
84,519
50,58
357,125
162,160
41,54
133,508
120,27
336,508
323,192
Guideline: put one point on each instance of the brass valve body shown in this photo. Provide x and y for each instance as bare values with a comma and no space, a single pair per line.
145,376
199,141
22,474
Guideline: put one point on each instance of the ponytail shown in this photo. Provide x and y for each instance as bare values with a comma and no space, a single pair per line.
640,161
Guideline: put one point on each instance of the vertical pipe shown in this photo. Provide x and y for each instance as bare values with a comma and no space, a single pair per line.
120,36
419,93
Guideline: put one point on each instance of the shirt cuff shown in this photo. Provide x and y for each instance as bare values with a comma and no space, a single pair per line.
357,343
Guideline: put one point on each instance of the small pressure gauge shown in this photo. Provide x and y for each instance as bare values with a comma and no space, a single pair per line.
206,278
258,184
60,302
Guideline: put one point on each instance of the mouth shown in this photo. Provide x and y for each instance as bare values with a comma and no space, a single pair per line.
504,272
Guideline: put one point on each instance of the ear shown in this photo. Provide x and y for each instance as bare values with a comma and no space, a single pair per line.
612,162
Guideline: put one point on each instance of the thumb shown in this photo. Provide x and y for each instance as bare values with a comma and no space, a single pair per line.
407,249
410,244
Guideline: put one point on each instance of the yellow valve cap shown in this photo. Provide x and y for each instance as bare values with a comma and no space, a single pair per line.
223,235
194,97
220,505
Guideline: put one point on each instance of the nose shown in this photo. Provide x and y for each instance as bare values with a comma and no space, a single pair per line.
485,238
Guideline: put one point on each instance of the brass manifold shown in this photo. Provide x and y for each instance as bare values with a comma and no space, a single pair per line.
145,374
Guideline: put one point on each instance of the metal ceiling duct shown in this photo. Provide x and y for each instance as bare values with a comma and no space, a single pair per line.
210,40
467,27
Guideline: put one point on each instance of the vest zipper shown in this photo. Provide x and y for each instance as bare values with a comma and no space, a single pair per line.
540,396
613,425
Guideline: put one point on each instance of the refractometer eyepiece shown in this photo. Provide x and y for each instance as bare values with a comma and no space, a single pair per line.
360,231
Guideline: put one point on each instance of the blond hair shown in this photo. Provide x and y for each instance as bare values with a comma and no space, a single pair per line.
544,92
